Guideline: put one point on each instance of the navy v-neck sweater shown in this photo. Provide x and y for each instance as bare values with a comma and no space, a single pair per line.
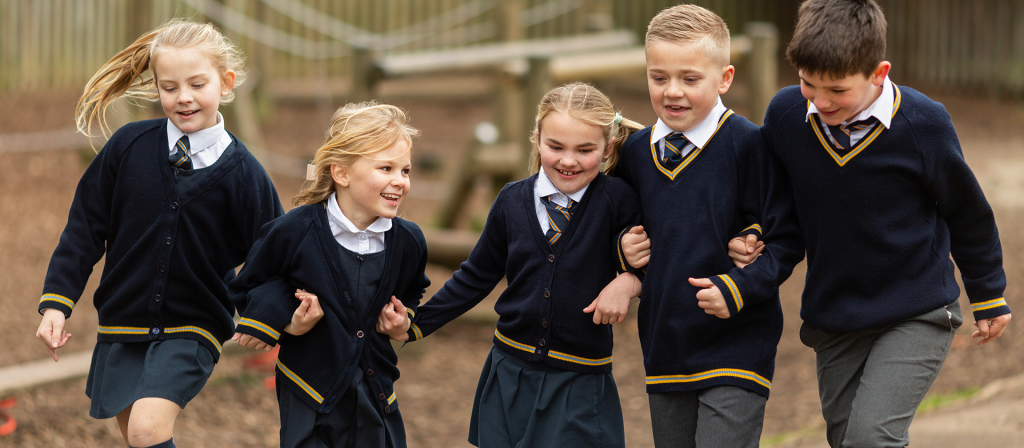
319,365
881,221
168,253
541,316
690,213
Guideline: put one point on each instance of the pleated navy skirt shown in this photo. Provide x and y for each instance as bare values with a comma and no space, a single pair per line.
355,422
522,404
122,373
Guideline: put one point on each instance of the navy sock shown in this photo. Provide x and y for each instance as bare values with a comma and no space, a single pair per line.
166,444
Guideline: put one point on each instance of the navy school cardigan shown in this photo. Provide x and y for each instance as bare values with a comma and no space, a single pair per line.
690,213
541,316
319,365
167,254
881,221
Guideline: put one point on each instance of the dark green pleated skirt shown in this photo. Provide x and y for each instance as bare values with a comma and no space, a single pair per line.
122,373
522,404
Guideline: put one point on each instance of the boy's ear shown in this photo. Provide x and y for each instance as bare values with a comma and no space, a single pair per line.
227,83
727,76
881,71
340,175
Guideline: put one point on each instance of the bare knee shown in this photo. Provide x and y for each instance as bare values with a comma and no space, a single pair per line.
148,430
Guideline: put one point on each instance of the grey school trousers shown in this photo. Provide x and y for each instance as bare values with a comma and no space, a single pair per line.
716,417
871,381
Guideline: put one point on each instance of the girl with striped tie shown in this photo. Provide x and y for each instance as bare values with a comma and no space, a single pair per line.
344,243
547,381
174,205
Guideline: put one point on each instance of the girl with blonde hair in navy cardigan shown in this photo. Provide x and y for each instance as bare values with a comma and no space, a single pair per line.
547,381
344,243
174,204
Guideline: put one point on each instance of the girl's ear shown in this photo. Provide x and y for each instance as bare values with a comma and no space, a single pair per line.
227,83
608,149
340,174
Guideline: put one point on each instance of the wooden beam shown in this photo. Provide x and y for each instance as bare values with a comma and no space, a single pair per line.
489,56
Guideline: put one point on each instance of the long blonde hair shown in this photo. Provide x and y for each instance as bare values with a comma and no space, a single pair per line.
584,102
357,130
125,73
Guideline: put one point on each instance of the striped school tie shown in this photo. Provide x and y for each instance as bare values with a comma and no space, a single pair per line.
674,144
558,218
180,158
841,133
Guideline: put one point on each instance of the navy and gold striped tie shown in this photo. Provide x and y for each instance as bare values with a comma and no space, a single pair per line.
558,218
674,144
180,158
841,133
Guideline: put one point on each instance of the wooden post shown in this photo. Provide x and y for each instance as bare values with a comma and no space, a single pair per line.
361,87
763,65
539,81
508,16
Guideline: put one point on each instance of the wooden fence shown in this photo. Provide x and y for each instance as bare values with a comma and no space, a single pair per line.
58,44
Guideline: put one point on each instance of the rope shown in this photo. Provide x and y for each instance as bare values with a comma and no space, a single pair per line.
345,36
358,37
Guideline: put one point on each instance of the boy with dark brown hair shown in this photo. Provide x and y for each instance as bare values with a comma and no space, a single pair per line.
883,196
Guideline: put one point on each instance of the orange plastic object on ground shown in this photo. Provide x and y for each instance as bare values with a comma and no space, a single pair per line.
9,425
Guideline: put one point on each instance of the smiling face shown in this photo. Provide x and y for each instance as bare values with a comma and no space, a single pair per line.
374,185
842,99
190,87
684,83
571,151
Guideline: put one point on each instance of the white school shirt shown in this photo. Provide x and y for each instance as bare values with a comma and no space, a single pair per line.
544,188
205,145
880,109
697,137
349,236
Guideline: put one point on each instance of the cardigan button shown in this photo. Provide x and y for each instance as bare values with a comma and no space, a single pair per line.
155,331
387,409
174,206
157,298
551,258
369,372
547,293
168,241
359,334
163,268
382,397
543,324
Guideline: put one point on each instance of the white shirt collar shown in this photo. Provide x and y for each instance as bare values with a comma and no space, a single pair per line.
545,188
199,140
344,225
698,135
880,109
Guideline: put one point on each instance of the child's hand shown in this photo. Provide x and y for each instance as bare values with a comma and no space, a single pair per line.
744,249
394,320
710,298
990,329
612,304
51,331
245,340
636,247
306,315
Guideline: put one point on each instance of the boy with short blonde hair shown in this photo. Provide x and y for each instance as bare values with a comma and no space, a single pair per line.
708,330
883,196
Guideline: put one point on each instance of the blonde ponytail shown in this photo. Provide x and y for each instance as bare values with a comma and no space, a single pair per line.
357,130
125,73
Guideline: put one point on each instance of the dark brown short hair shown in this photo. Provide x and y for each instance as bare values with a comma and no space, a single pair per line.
838,37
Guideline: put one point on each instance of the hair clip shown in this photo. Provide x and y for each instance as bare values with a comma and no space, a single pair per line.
618,118
310,172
